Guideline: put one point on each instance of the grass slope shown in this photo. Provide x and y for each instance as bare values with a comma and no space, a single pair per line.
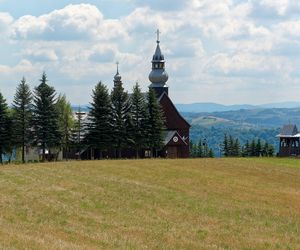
163,204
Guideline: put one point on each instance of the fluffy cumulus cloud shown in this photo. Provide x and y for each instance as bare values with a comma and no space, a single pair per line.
223,50
74,22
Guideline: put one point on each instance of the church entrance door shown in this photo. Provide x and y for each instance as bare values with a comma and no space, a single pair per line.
172,152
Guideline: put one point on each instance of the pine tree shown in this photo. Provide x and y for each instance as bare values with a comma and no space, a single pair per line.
78,131
139,118
22,106
45,117
271,150
10,135
99,129
237,148
230,146
200,152
121,118
258,148
247,149
66,123
265,149
3,126
253,148
155,122
211,153
225,146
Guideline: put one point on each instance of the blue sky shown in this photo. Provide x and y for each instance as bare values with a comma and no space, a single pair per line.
225,51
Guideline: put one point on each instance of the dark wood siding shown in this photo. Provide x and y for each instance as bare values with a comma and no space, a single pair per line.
174,121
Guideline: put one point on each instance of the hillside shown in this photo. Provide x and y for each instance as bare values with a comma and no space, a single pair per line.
151,204
243,124
216,107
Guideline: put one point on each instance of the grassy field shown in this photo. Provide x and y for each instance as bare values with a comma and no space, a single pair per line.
151,204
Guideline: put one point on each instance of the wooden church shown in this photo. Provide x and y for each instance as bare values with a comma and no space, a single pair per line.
176,139
176,135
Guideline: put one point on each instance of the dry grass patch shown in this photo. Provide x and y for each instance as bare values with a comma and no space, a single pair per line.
146,204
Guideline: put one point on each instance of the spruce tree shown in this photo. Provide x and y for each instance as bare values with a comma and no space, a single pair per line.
225,146
99,128
211,153
230,146
253,148
155,122
121,119
246,150
78,131
139,118
45,117
65,122
237,148
200,152
271,150
265,149
22,107
10,145
258,148
4,135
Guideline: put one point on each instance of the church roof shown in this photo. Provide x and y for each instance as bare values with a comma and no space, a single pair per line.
289,130
158,56
164,95
169,134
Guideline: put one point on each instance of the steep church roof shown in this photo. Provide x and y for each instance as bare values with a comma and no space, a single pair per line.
289,130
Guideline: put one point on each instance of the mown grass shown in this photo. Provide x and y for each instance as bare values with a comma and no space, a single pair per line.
151,204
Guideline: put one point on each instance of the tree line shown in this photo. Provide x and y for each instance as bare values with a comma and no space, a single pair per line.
232,147
201,149
116,121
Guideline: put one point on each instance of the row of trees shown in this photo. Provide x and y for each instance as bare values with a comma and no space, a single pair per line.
201,150
232,148
45,120
36,118
118,122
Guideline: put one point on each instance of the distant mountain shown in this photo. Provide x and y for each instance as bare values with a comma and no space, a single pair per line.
281,105
215,107
245,124
210,107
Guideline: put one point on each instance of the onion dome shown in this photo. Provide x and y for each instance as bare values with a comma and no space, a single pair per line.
117,77
158,76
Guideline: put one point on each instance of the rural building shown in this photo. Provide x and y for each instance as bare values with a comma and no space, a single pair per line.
177,128
176,138
289,141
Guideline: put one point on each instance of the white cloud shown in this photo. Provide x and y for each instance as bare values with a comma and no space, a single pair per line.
22,67
5,21
208,45
74,22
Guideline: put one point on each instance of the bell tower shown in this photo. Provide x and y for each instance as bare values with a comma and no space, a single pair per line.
158,76
117,77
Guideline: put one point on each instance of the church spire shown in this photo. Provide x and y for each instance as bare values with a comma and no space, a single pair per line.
117,77
158,76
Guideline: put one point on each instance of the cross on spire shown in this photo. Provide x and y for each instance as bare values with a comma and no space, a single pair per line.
157,33
117,67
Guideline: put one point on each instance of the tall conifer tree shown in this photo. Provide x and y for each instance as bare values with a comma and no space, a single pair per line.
99,129
225,146
45,117
121,118
22,106
139,118
4,135
155,122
